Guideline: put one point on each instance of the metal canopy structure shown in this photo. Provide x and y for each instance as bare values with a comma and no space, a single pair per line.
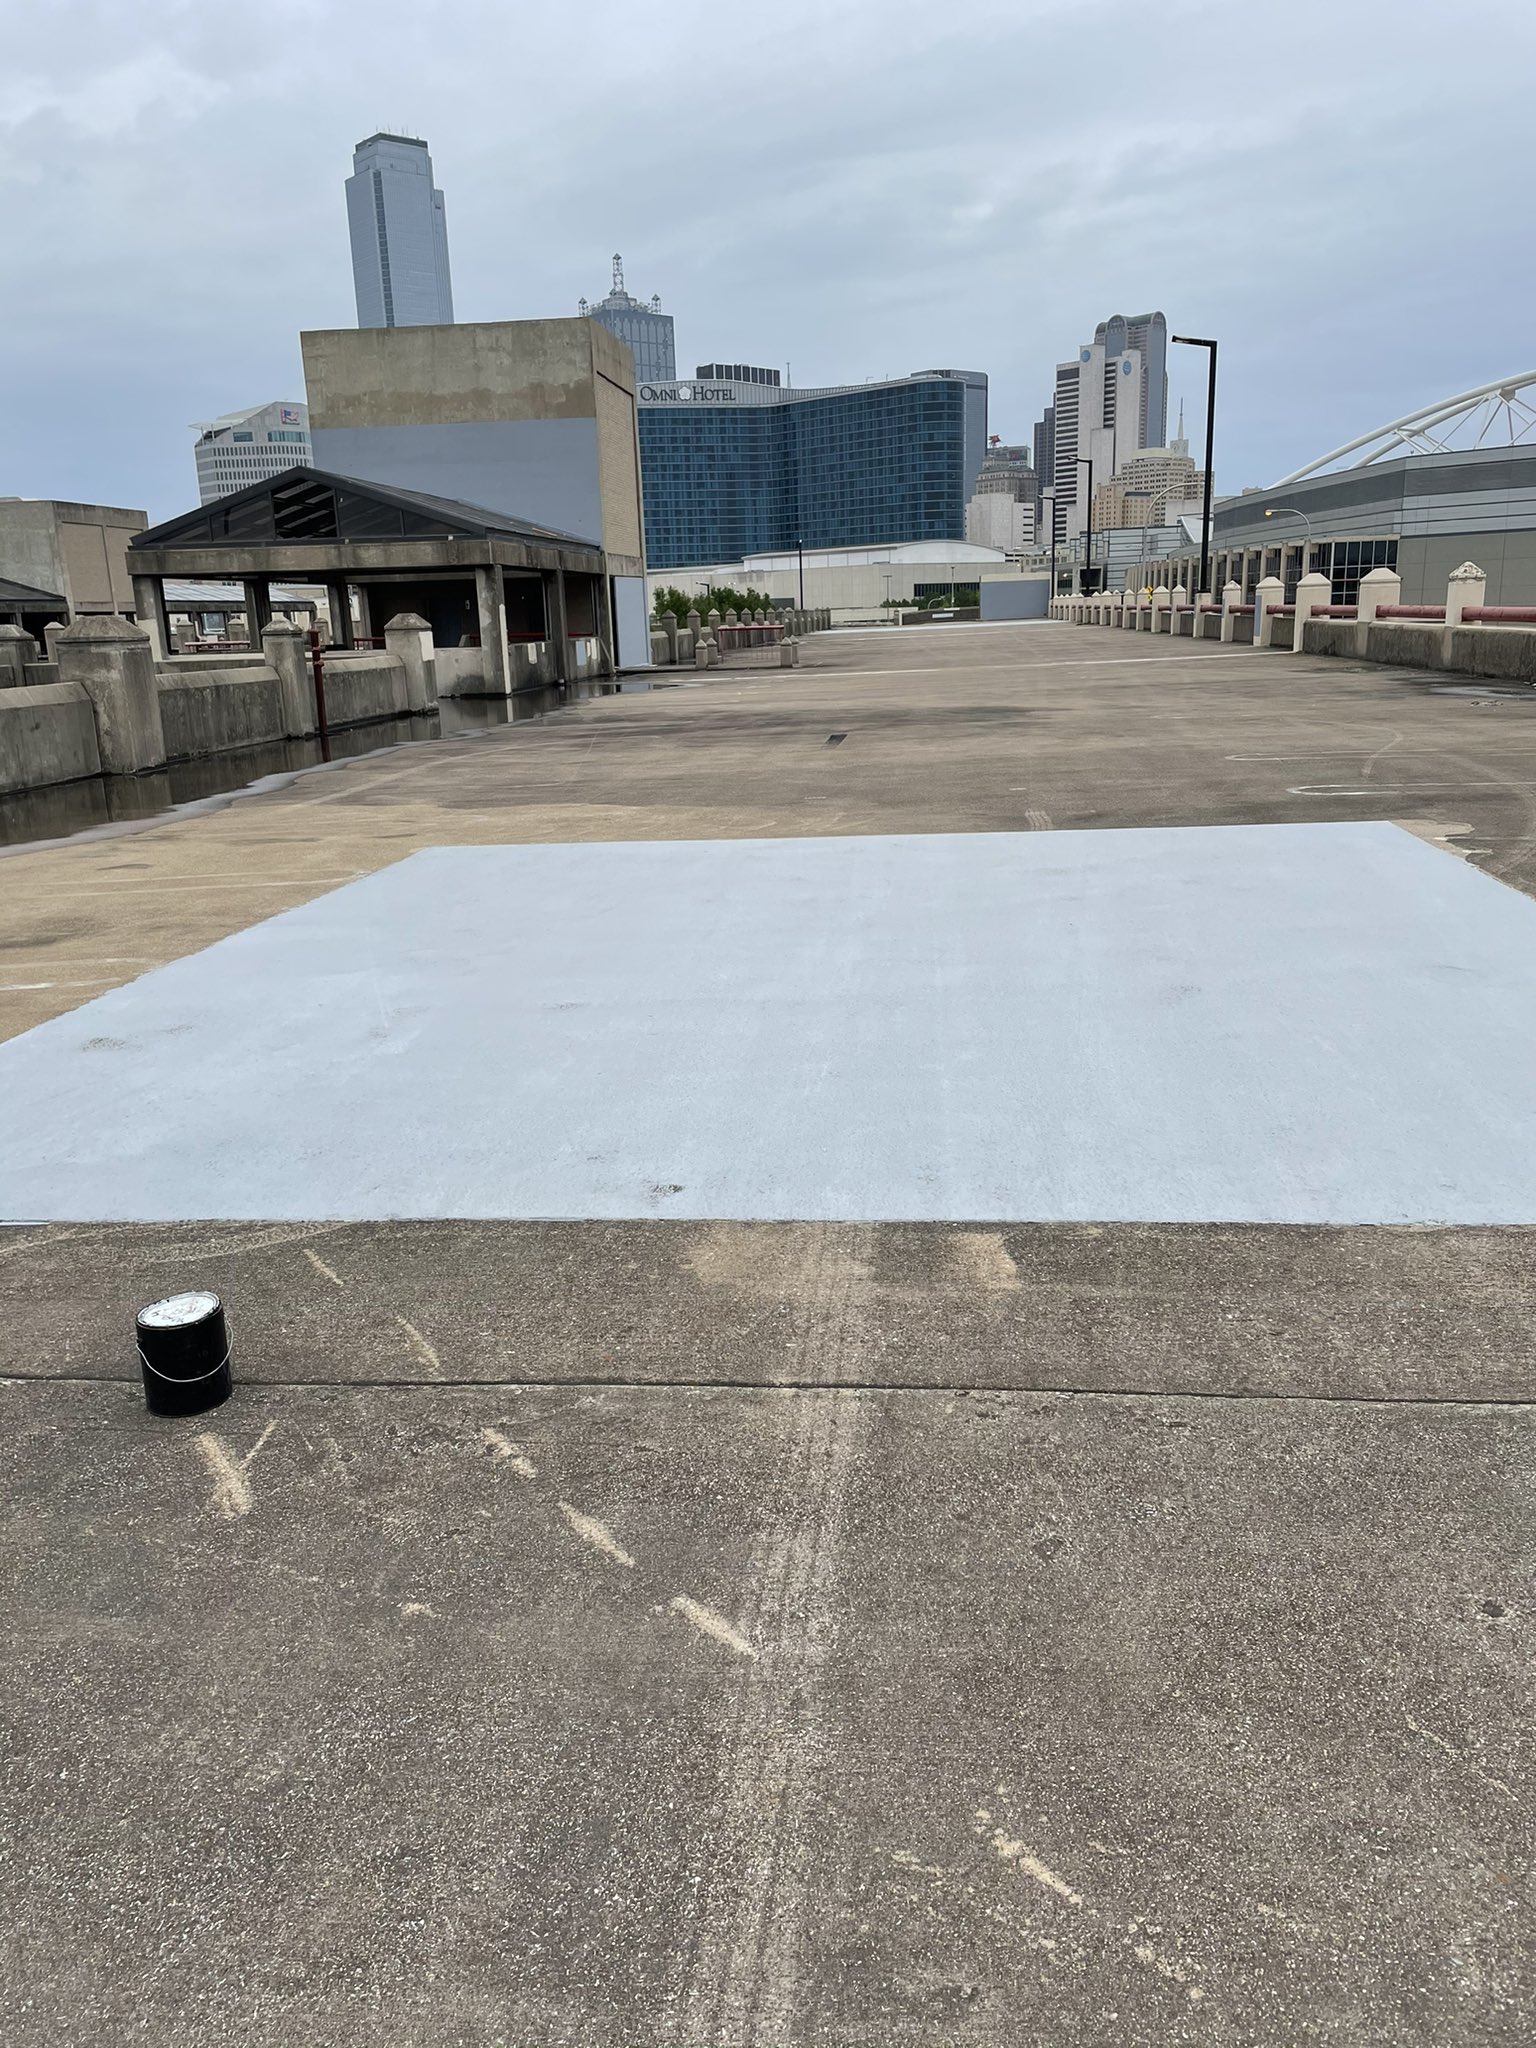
476,575
1501,414
303,504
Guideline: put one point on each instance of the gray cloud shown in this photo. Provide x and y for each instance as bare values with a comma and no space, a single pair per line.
1341,194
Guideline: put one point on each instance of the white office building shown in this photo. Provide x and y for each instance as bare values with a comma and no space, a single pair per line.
1111,401
246,447
399,235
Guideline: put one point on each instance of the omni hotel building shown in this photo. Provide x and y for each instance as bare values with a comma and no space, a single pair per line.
735,463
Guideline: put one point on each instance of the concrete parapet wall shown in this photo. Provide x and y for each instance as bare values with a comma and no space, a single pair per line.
1329,636
363,687
1282,631
1502,651
1401,644
47,734
210,712
461,670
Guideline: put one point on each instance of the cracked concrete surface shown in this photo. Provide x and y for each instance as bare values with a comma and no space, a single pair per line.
637,1634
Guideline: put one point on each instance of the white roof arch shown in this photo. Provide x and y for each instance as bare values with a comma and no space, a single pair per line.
1500,414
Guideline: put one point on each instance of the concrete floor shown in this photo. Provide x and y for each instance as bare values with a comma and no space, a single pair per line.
724,1632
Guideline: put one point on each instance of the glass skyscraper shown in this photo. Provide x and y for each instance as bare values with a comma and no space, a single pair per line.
399,236
734,468
645,329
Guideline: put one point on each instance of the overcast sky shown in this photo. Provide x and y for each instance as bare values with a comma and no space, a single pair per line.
1340,190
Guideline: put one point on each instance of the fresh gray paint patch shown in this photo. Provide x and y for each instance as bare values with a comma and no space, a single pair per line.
1271,1023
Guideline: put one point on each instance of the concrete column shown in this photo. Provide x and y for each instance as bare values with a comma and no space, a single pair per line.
258,610
1160,609
408,638
341,614
17,648
1466,591
1231,598
1379,587
669,629
491,605
557,623
149,605
695,627
1270,592
112,661
1312,593
282,646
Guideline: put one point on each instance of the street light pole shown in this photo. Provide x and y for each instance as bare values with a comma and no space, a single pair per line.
1088,531
1269,513
800,552
1194,341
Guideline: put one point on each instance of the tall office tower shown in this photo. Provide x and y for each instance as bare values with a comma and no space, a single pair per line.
399,235
1106,401
1147,335
1045,456
241,448
645,329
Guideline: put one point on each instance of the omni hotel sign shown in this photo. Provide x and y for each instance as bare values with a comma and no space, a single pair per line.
690,393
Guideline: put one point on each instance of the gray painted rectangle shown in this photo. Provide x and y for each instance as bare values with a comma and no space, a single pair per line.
542,471
1025,599
632,622
1311,1023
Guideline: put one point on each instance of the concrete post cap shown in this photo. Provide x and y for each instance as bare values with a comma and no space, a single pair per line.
13,633
282,626
100,626
407,622
1469,572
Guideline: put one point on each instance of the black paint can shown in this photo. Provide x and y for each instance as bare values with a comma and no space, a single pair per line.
184,1354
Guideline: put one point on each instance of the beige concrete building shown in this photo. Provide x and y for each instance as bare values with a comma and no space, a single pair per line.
76,553
1149,489
532,419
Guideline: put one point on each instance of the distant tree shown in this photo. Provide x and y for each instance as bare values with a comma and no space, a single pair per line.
720,597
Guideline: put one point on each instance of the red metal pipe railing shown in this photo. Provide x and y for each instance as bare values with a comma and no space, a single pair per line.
1336,611
1500,615
1411,611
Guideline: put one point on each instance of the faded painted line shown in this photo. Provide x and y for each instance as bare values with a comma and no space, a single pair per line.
984,1262
231,1487
1038,821
708,1623
23,988
326,1272
419,1343
1018,1854
601,1538
513,1455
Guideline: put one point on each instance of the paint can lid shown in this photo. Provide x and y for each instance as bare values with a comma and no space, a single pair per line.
177,1311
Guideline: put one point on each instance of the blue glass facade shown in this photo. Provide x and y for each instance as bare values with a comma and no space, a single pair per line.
856,468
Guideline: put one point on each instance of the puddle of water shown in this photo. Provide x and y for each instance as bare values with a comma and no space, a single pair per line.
68,808
1485,692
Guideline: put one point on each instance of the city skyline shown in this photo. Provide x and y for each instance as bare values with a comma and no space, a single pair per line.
939,246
